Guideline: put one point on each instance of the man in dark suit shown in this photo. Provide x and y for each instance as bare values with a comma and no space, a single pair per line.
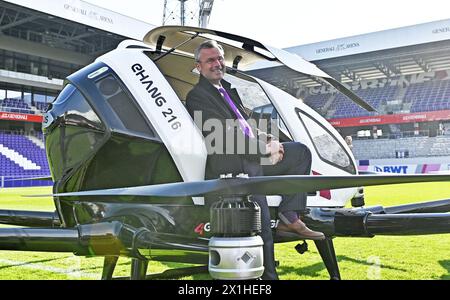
216,100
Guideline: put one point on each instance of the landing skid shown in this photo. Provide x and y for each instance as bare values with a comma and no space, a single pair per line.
139,268
326,251
109,264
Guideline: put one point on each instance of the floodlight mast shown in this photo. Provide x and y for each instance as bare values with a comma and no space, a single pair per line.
203,13
182,12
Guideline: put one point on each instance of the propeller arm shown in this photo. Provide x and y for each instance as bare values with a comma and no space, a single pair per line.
29,218
408,224
100,238
364,223
438,206
107,239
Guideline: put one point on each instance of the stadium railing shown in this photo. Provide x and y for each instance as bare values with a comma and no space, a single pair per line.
18,181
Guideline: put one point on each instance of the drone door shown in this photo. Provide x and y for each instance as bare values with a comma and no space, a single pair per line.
258,106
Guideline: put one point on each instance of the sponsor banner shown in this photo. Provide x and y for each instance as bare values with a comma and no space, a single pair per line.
20,117
406,168
392,119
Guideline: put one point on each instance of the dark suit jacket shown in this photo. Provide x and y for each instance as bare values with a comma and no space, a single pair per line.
206,98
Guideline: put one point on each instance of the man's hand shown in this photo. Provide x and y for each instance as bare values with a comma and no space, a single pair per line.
276,150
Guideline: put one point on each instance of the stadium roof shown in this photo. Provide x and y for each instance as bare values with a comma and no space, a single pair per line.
384,54
381,40
70,30
76,32
90,15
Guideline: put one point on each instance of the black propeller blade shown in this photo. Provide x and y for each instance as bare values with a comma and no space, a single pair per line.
263,185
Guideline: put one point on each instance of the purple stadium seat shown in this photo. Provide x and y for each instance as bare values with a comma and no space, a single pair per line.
26,148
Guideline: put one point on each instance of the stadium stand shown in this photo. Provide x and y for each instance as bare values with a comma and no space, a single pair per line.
343,108
414,147
20,157
41,106
418,97
318,102
15,106
428,96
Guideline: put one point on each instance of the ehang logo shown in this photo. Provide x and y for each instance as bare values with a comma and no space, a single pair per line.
202,227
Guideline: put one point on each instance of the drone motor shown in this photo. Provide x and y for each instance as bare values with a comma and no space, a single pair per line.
235,251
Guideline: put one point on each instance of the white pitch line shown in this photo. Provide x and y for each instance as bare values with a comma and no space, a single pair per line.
41,267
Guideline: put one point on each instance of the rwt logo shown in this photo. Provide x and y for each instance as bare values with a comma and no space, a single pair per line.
202,228
392,169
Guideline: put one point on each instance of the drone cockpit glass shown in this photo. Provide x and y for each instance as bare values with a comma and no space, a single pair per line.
73,122
326,145
123,106
258,105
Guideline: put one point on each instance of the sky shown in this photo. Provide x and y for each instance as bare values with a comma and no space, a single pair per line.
285,23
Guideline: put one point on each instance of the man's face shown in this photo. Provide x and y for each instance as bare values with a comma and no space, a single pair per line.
211,65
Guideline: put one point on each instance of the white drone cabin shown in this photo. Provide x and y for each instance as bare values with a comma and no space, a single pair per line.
160,81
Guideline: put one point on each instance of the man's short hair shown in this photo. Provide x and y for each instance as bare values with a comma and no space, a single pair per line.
208,44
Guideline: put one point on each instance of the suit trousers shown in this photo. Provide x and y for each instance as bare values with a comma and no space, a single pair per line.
296,161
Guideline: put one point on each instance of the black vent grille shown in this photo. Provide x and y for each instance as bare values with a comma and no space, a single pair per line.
235,217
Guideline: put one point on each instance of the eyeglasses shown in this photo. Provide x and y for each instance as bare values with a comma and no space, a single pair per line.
211,60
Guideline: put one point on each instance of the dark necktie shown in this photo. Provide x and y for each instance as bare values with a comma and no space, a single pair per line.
245,127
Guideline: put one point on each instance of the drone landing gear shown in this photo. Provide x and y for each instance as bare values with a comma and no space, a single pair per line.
326,250
138,269
109,264
172,273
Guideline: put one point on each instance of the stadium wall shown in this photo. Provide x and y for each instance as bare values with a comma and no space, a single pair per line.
415,165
